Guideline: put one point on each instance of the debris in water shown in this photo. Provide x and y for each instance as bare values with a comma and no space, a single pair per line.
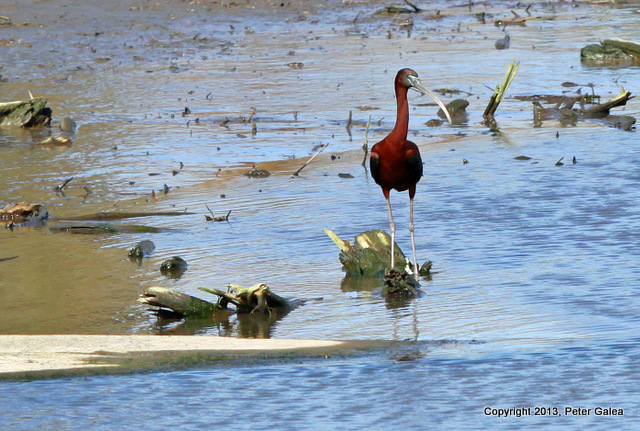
503,43
27,113
565,111
23,214
496,98
257,173
611,52
55,142
214,217
173,267
295,174
60,187
144,248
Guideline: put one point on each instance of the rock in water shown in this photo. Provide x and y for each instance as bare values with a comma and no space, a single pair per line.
68,125
174,267
144,248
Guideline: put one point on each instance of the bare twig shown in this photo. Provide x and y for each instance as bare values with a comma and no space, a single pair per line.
223,218
310,159
253,112
60,187
415,8
210,212
365,146
4,259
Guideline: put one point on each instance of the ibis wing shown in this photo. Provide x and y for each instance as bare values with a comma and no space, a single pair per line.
414,167
374,165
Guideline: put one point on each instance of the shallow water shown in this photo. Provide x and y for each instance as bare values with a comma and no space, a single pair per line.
537,262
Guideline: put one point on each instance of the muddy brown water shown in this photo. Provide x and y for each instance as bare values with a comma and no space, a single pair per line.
535,264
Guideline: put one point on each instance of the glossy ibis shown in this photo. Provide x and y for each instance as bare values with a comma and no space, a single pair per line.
395,161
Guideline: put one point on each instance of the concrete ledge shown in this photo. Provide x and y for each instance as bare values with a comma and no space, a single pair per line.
46,356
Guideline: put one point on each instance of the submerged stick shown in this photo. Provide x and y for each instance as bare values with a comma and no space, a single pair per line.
60,187
210,212
415,8
295,174
253,112
365,146
496,98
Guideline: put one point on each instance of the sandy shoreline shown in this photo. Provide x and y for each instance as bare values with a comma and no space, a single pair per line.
48,356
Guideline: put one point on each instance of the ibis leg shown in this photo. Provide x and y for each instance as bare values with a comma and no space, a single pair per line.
413,238
392,227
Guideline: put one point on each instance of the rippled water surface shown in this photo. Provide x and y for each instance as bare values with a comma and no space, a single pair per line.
534,296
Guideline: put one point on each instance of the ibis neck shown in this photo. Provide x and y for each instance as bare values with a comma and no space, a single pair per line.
399,132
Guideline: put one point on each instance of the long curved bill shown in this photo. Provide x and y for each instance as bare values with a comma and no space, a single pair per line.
425,90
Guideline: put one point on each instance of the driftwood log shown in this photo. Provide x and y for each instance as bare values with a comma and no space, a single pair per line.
369,256
611,52
246,300
23,214
27,113
180,303
570,110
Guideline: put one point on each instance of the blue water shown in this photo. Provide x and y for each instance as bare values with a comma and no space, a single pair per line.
376,391
534,296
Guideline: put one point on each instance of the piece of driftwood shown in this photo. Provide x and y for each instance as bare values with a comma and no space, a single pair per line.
23,214
398,282
246,300
369,254
118,215
181,303
611,52
570,110
496,98
393,10
102,228
25,113
52,142
249,299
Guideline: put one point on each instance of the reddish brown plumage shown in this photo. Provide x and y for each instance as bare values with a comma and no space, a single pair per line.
395,162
